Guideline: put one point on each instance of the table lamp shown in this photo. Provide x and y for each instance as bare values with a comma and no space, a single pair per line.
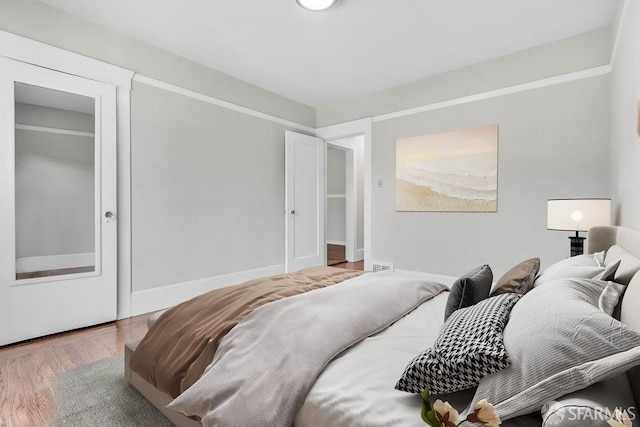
577,215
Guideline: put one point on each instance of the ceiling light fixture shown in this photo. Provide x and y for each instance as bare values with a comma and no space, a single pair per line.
316,5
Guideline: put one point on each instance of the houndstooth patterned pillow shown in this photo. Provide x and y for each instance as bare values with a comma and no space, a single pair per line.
469,347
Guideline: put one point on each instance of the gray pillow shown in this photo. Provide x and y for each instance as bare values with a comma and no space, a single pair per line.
592,406
558,342
596,260
609,272
629,263
519,279
577,267
469,289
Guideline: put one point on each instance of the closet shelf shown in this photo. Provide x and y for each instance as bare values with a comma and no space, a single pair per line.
54,130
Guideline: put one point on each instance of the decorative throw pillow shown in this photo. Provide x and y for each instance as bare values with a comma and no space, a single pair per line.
519,279
469,347
469,289
558,342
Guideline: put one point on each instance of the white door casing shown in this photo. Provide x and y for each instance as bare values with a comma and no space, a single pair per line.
304,201
344,130
41,306
351,200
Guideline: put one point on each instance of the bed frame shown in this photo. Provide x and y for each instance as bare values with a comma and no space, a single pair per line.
599,239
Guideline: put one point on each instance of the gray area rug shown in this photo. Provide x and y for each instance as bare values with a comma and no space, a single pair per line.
98,395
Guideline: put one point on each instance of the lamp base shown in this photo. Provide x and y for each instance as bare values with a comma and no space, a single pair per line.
577,245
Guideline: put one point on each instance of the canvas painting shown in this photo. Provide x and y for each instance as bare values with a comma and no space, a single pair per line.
448,172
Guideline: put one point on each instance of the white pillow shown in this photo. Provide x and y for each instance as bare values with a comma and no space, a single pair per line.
599,257
577,267
610,297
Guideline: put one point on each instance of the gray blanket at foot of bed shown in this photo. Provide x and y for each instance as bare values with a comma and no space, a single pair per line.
266,365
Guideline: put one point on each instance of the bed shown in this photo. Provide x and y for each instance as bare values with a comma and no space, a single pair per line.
356,387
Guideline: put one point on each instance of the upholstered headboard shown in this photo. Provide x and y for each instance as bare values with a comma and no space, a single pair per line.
624,244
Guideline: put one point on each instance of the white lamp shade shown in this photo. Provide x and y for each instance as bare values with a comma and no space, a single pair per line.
578,214
316,5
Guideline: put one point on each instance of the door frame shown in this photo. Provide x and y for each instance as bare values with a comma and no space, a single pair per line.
43,55
35,306
351,199
345,130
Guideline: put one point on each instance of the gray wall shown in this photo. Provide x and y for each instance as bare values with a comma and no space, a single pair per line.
54,183
198,211
552,144
575,53
207,189
336,184
207,182
625,142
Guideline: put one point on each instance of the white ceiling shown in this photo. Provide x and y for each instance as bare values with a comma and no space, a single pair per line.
356,48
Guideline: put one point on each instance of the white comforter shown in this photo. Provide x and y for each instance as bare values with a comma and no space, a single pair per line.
367,372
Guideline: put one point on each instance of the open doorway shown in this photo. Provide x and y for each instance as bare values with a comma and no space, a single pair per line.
336,205
345,201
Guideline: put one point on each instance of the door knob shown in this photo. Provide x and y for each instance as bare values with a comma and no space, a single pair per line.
108,214
292,212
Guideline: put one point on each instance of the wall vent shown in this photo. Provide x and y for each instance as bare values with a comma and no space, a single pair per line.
382,266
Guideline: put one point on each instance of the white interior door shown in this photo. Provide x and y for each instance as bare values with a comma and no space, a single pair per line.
304,201
57,202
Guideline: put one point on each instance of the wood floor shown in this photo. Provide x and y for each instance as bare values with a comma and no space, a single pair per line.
58,272
336,254
28,369
359,265
336,258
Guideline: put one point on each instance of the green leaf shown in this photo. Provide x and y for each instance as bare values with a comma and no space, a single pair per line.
425,394
424,413
429,417
425,398
427,414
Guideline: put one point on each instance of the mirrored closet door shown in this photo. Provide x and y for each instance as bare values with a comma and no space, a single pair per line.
58,195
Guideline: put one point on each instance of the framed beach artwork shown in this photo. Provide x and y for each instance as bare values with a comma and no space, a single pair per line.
448,172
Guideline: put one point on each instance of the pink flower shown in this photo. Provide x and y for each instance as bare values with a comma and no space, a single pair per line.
620,419
446,414
484,413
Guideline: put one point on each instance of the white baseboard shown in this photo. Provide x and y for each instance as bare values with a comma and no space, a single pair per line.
359,255
440,278
54,262
336,242
148,300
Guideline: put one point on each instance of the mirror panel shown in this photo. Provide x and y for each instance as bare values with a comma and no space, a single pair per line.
55,196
